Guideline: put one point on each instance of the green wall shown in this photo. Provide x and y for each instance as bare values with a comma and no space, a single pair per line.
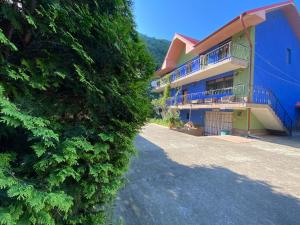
185,57
240,121
241,76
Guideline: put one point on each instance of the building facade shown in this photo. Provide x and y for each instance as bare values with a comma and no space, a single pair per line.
244,78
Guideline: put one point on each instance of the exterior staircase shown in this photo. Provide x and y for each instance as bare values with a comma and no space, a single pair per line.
268,118
271,112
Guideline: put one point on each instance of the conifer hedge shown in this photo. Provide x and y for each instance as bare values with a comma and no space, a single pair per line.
73,85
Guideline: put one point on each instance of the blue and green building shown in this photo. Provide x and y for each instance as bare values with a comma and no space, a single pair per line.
244,78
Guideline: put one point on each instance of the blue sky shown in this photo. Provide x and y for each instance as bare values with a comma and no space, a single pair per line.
194,18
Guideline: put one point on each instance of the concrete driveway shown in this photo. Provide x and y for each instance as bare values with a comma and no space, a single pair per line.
179,179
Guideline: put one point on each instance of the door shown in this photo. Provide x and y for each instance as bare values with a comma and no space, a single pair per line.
215,122
184,97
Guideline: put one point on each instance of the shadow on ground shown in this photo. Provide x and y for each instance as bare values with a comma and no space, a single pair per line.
163,192
290,141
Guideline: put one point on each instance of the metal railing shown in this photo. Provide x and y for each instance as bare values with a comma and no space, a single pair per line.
266,96
235,94
202,62
160,82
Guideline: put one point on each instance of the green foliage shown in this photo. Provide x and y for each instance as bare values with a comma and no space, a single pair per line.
166,93
161,122
157,47
160,103
173,119
73,95
167,116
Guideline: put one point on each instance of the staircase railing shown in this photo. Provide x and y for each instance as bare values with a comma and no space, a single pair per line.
266,96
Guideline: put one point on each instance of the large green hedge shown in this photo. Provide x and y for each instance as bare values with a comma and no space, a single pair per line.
73,80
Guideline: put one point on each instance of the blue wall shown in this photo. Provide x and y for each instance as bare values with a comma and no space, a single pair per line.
197,116
273,37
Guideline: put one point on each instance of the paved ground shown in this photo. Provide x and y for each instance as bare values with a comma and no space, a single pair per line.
179,179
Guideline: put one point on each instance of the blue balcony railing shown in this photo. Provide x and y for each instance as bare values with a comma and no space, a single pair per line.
225,95
202,62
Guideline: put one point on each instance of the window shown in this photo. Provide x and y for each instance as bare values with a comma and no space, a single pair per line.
184,93
189,68
188,116
289,56
219,86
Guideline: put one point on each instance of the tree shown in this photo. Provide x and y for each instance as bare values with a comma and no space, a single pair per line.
160,104
73,96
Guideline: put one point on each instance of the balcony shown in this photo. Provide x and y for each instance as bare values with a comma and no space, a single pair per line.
232,97
264,104
228,57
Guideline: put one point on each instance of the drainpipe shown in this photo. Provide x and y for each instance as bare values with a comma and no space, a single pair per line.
190,117
250,70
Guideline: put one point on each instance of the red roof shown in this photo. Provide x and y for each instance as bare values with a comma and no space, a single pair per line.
269,6
249,12
192,40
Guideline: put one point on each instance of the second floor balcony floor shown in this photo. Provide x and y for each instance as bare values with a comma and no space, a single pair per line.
228,57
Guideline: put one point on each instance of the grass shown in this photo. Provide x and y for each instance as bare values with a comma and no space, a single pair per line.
159,122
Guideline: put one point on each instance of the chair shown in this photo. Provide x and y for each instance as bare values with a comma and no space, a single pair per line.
228,99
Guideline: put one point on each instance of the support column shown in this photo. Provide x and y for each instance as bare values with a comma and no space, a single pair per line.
249,121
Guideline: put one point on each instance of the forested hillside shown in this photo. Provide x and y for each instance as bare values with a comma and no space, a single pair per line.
157,47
